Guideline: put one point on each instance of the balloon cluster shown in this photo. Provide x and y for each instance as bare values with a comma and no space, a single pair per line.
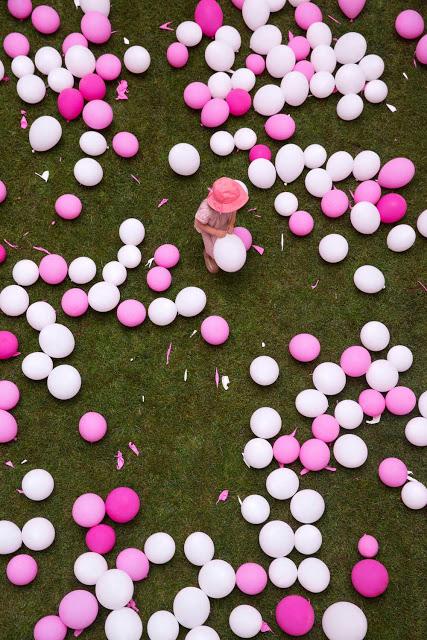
409,24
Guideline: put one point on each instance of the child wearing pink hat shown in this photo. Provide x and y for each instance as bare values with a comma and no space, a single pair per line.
216,215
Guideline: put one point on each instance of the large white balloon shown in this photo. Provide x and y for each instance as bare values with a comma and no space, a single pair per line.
422,404
349,79
31,88
189,33
366,165
416,431
276,539
184,159
318,33
123,624
199,548
283,572
38,534
307,506
375,91
114,272
191,607
132,231
245,621
14,300
401,238
323,58
22,66
45,133
264,370
258,453
202,633
101,6
314,575
222,143
47,59
382,376
262,173
350,107
311,403
217,579
88,172
265,38
162,311
60,79
230,253
137,59
219,56
372,66
318,182
374,335
333,248
255,13
280,61
129,256
351,47
344,621
103,297
269,100
89,567
93,143
56,340
159,547
400,357
82,270
40,314
282,483
308,539
314,156
219,84
25,272
243,79
365,217
289,162
37,366
230,36
349,414
245,139
329,378
162,625
286,204
10,537
422,224
414,495
322,85
276,5
64,382
265,422
369,279
37,484
190,301
295,88
350,451
255,509
80,61
114,589
339,165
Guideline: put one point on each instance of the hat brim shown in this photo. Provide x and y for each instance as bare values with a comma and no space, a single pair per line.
229,207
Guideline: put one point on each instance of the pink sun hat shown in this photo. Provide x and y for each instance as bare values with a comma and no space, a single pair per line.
227,195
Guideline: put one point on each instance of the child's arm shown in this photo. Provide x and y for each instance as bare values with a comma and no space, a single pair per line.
219,233
232,223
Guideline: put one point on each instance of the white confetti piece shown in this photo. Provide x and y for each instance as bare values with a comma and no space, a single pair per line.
240,501
391,107
374,420
77,3
150,262
185,375
282,241
143,398
24,461
225,381
194,333
44,176
263,345
126,41
405,75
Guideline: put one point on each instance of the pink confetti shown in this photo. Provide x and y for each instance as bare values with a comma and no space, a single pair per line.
23,122
42,249
10,244
217,377
290,35
422,285
19,491
223,496
162,202
330,469
313,286
132,605
5,79
10,464
253,209
135,178
78,632
133,448
120,460
122,90
165,26
258,249
265,627
334,19
168,353
351,193
415,63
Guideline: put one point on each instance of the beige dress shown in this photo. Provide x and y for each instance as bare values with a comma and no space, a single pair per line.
206,215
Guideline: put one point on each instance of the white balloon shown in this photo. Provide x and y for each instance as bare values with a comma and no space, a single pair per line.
47,59
258,453
137,59
202,633
60,79
129,256
199,548
37,366
88,172
400,357
318,182
245,139
132,231
101,6
374,336
37,484
80,60
242,184
349,79
10,537
365,217
265,38
282,483
422,404
230,36
255,13
162,311
276,538
82,270
262,173
230,253
265,422
114,272
40,314
369,279
243,79
93,143
219,56
64,382
56,340
219,85
318,33
323,58
333,248
191,607
349,414
162,625
283,572
114,589
123,624
255,509
322,85
189,33
31,88
372,66
414,495
286,204
314,156
350,451
308,539
22,66
307,506
14,300
344,621
38,534
314,575
222,143
217,579
289,162
276,5
190,301
382,376
350,107
245,621
416,431
401,238
311,403
89,567
422,224
25,273
159,547
295,88
45,133
351,47
184,159
376,91
269,100
280,60
339,165
366,165
264,370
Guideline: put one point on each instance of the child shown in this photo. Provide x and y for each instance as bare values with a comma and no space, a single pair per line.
216,215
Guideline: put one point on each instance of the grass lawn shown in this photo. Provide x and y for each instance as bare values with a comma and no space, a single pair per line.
191,434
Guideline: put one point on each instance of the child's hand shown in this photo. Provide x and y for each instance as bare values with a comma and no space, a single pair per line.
221,233
230,229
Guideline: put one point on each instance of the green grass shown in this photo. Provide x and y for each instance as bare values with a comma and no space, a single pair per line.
191,434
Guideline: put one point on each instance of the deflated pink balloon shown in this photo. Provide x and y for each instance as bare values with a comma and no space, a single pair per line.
351,8
314,455
286,449
396,173
280,127
209,17
196,95
215,113
367,191
392,207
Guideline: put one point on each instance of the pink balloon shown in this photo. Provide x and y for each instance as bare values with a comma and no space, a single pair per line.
215,330
131,313
368,191
45,19
125,144
351,8
421,50
68,206
96,27
9,395
409,24
159,279
334,203
196,95
369,578
255,63
393,472
167,255
295,614
108,66
75,302
260,151
70,104
209,17
3,191
396,173
372,402
392,207
53,269
301,223
21,569
88,510
177,55
368,546
20,9
72,40
251,578
300,46
78,609
306,14
239,102
50,628
8,427
325,427
134,562
400,401
280,127
92,427
355,361
101,538
286,449
16,44
304,347
305,67
122,504
92,87
8,345
244,235
215,113
314,455
3,254
238,3
97,114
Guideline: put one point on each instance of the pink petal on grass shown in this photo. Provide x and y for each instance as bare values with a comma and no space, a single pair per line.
253,209
422,285
168,353
258,249
223,496
313,286
42,249
23,122
122,90
165,26
135,178
162,202
19,491
330,468
132,605
265,627
334,19
120,460
10,244
133,448
217,377
78,632
10,464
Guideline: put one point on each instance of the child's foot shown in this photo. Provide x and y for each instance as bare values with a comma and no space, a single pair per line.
210,263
